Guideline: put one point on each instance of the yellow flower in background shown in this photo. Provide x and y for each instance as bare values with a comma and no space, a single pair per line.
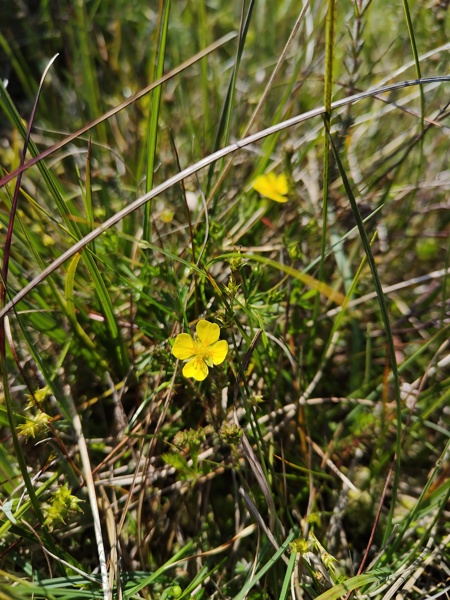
201,351
167,216
272,186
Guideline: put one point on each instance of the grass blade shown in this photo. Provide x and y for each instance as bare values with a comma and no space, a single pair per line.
153,117
269,564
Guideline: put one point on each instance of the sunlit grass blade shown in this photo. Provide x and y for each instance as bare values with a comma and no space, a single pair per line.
87,196
154,110
70,302
415,52
287,577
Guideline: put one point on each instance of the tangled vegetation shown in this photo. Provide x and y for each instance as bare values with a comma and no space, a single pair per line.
224,335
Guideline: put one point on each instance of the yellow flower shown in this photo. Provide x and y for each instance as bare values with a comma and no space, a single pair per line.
202,351
272,186
167,216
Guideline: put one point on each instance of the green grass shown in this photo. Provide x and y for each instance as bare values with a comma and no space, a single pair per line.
314,461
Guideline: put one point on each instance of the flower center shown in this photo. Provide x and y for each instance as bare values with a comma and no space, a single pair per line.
202,351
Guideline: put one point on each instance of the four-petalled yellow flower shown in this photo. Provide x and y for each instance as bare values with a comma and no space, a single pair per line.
272,186
201,351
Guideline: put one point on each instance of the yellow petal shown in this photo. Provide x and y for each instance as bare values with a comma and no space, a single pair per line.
272,186
218,352
196,368
184,347
207,332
